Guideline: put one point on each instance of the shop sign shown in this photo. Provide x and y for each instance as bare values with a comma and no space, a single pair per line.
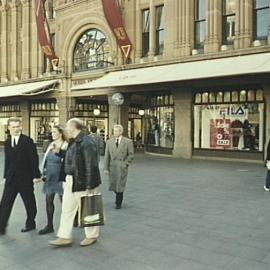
233,111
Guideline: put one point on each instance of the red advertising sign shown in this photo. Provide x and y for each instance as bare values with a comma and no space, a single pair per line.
113,16
43,32
220,133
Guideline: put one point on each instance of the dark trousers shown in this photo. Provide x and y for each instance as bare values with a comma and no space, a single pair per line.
119,198
267,179
8,198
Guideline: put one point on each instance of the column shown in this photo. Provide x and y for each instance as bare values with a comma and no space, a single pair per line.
267,115
118,114
25,111
243,25
64,108
34,43
4,75
152,45
183,123
214,26
26,39
138,48
187,26
14,41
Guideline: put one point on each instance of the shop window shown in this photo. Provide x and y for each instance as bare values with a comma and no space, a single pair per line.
219,96
227,96
200,23
243,95
251,95
205,97
92,51
160,124
198,98
145,32
231,126
212,97
259,95
229,10
235,96
160,30
261,19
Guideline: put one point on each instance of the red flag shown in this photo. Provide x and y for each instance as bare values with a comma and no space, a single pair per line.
114,19
43,32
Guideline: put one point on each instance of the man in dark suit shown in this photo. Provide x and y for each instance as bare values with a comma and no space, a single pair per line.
20,172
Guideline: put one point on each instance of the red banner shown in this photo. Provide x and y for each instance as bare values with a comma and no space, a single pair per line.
43,32
113,16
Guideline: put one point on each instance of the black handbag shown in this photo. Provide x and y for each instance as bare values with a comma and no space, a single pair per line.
91,212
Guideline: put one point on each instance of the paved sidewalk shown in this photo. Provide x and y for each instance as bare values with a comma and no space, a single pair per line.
177,214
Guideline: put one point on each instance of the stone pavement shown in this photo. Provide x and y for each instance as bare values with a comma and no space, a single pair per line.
177,214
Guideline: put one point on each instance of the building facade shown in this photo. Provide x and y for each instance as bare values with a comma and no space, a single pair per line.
196,83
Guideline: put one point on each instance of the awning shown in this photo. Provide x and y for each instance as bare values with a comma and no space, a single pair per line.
27,89
222,67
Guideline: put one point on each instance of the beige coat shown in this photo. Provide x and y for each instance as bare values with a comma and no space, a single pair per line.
116,161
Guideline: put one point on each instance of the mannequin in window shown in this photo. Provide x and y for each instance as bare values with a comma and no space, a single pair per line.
249,139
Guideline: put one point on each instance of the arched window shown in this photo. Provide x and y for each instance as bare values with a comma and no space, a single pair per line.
91,52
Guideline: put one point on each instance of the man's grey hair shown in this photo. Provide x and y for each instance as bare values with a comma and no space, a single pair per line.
120,127
14,119
78,124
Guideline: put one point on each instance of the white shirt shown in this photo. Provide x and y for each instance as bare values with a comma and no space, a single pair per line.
119,139
16,140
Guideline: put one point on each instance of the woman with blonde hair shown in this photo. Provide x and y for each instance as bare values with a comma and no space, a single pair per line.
53,173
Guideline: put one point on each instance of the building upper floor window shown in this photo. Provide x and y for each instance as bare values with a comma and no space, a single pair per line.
159,29
261,19
229,10
145,31
91,52
200,23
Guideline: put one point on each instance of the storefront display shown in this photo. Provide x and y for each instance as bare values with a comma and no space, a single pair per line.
231,120
93,114
134,122
43,116
160,121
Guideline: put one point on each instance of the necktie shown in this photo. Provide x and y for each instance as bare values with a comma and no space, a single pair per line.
14,142
117,143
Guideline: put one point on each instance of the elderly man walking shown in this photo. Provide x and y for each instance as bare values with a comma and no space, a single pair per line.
82,178
119,154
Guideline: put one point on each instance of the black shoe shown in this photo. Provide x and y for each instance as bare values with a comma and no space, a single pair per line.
28,229
2,231
119,206
46,230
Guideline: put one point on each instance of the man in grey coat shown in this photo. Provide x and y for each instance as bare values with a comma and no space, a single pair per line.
119,154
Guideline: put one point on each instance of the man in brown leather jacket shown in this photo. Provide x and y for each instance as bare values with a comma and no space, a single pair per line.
83,177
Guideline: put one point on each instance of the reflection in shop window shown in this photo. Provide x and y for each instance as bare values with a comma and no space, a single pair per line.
232,126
